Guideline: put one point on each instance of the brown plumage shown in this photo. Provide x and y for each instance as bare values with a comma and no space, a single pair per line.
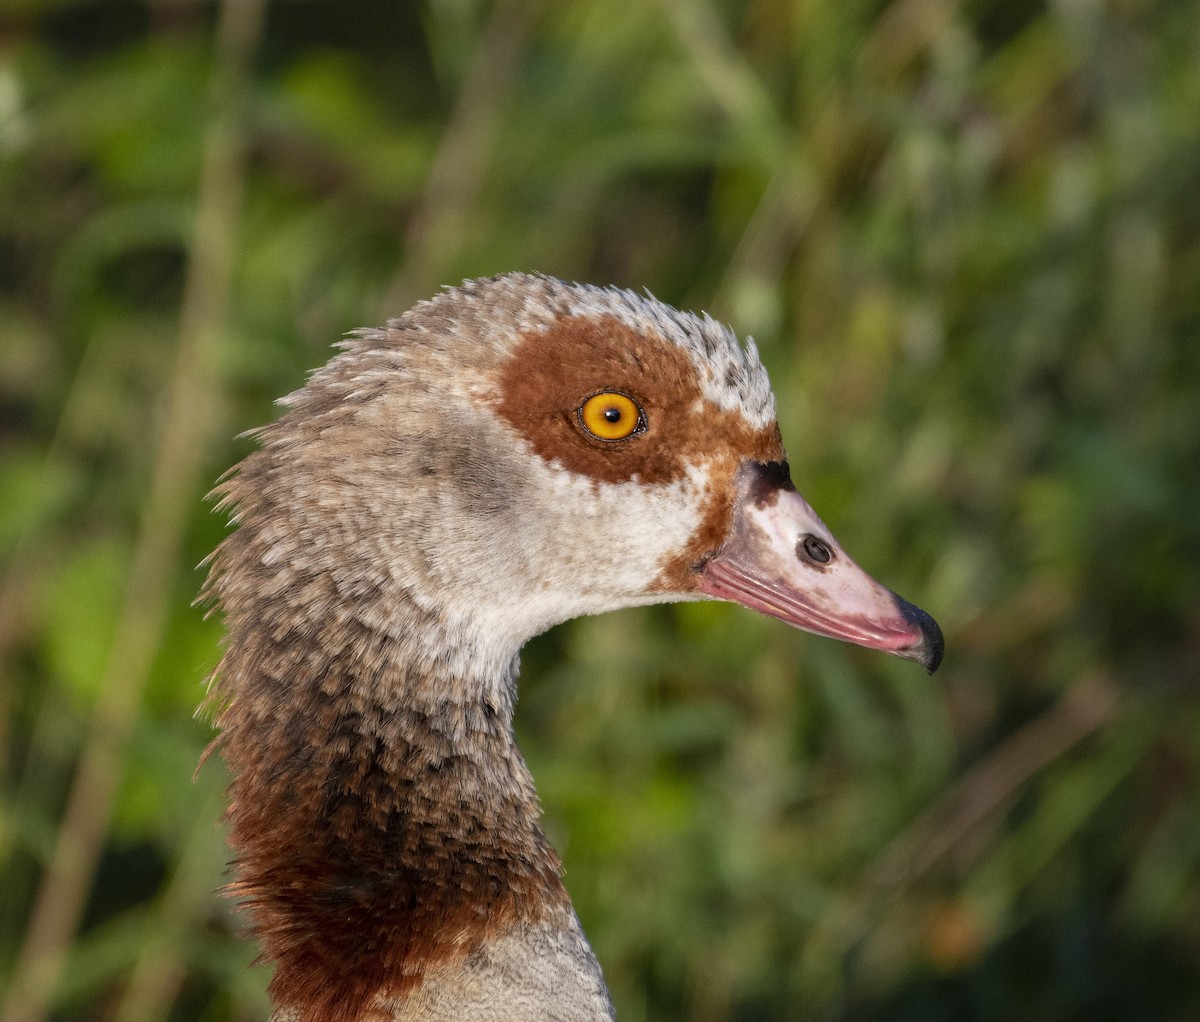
428,502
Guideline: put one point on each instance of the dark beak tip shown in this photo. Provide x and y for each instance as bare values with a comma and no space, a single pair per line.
929,653
935,646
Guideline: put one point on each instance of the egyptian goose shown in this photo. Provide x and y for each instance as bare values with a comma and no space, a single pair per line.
510,454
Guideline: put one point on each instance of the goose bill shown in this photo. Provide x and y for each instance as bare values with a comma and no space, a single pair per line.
779,558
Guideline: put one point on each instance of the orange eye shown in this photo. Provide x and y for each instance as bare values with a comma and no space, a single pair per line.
611,416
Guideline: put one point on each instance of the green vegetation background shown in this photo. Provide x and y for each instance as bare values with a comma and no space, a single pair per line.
967,240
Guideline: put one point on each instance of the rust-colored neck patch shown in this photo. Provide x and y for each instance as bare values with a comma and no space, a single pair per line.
369,847
552,371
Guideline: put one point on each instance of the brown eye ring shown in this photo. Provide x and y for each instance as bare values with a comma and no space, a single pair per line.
611,416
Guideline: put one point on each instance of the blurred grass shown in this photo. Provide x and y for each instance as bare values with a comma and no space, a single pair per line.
967,240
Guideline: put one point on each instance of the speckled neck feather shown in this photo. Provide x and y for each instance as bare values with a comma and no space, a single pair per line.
379,819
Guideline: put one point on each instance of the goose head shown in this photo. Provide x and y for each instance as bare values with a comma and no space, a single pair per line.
507,455
518,451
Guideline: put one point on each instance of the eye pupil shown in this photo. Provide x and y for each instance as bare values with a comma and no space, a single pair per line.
612,415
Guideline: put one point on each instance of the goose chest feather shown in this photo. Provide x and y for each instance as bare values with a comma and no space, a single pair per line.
510,454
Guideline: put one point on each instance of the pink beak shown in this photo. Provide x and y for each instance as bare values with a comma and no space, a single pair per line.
780,559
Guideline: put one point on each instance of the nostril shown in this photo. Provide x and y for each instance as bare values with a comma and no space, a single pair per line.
815,551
